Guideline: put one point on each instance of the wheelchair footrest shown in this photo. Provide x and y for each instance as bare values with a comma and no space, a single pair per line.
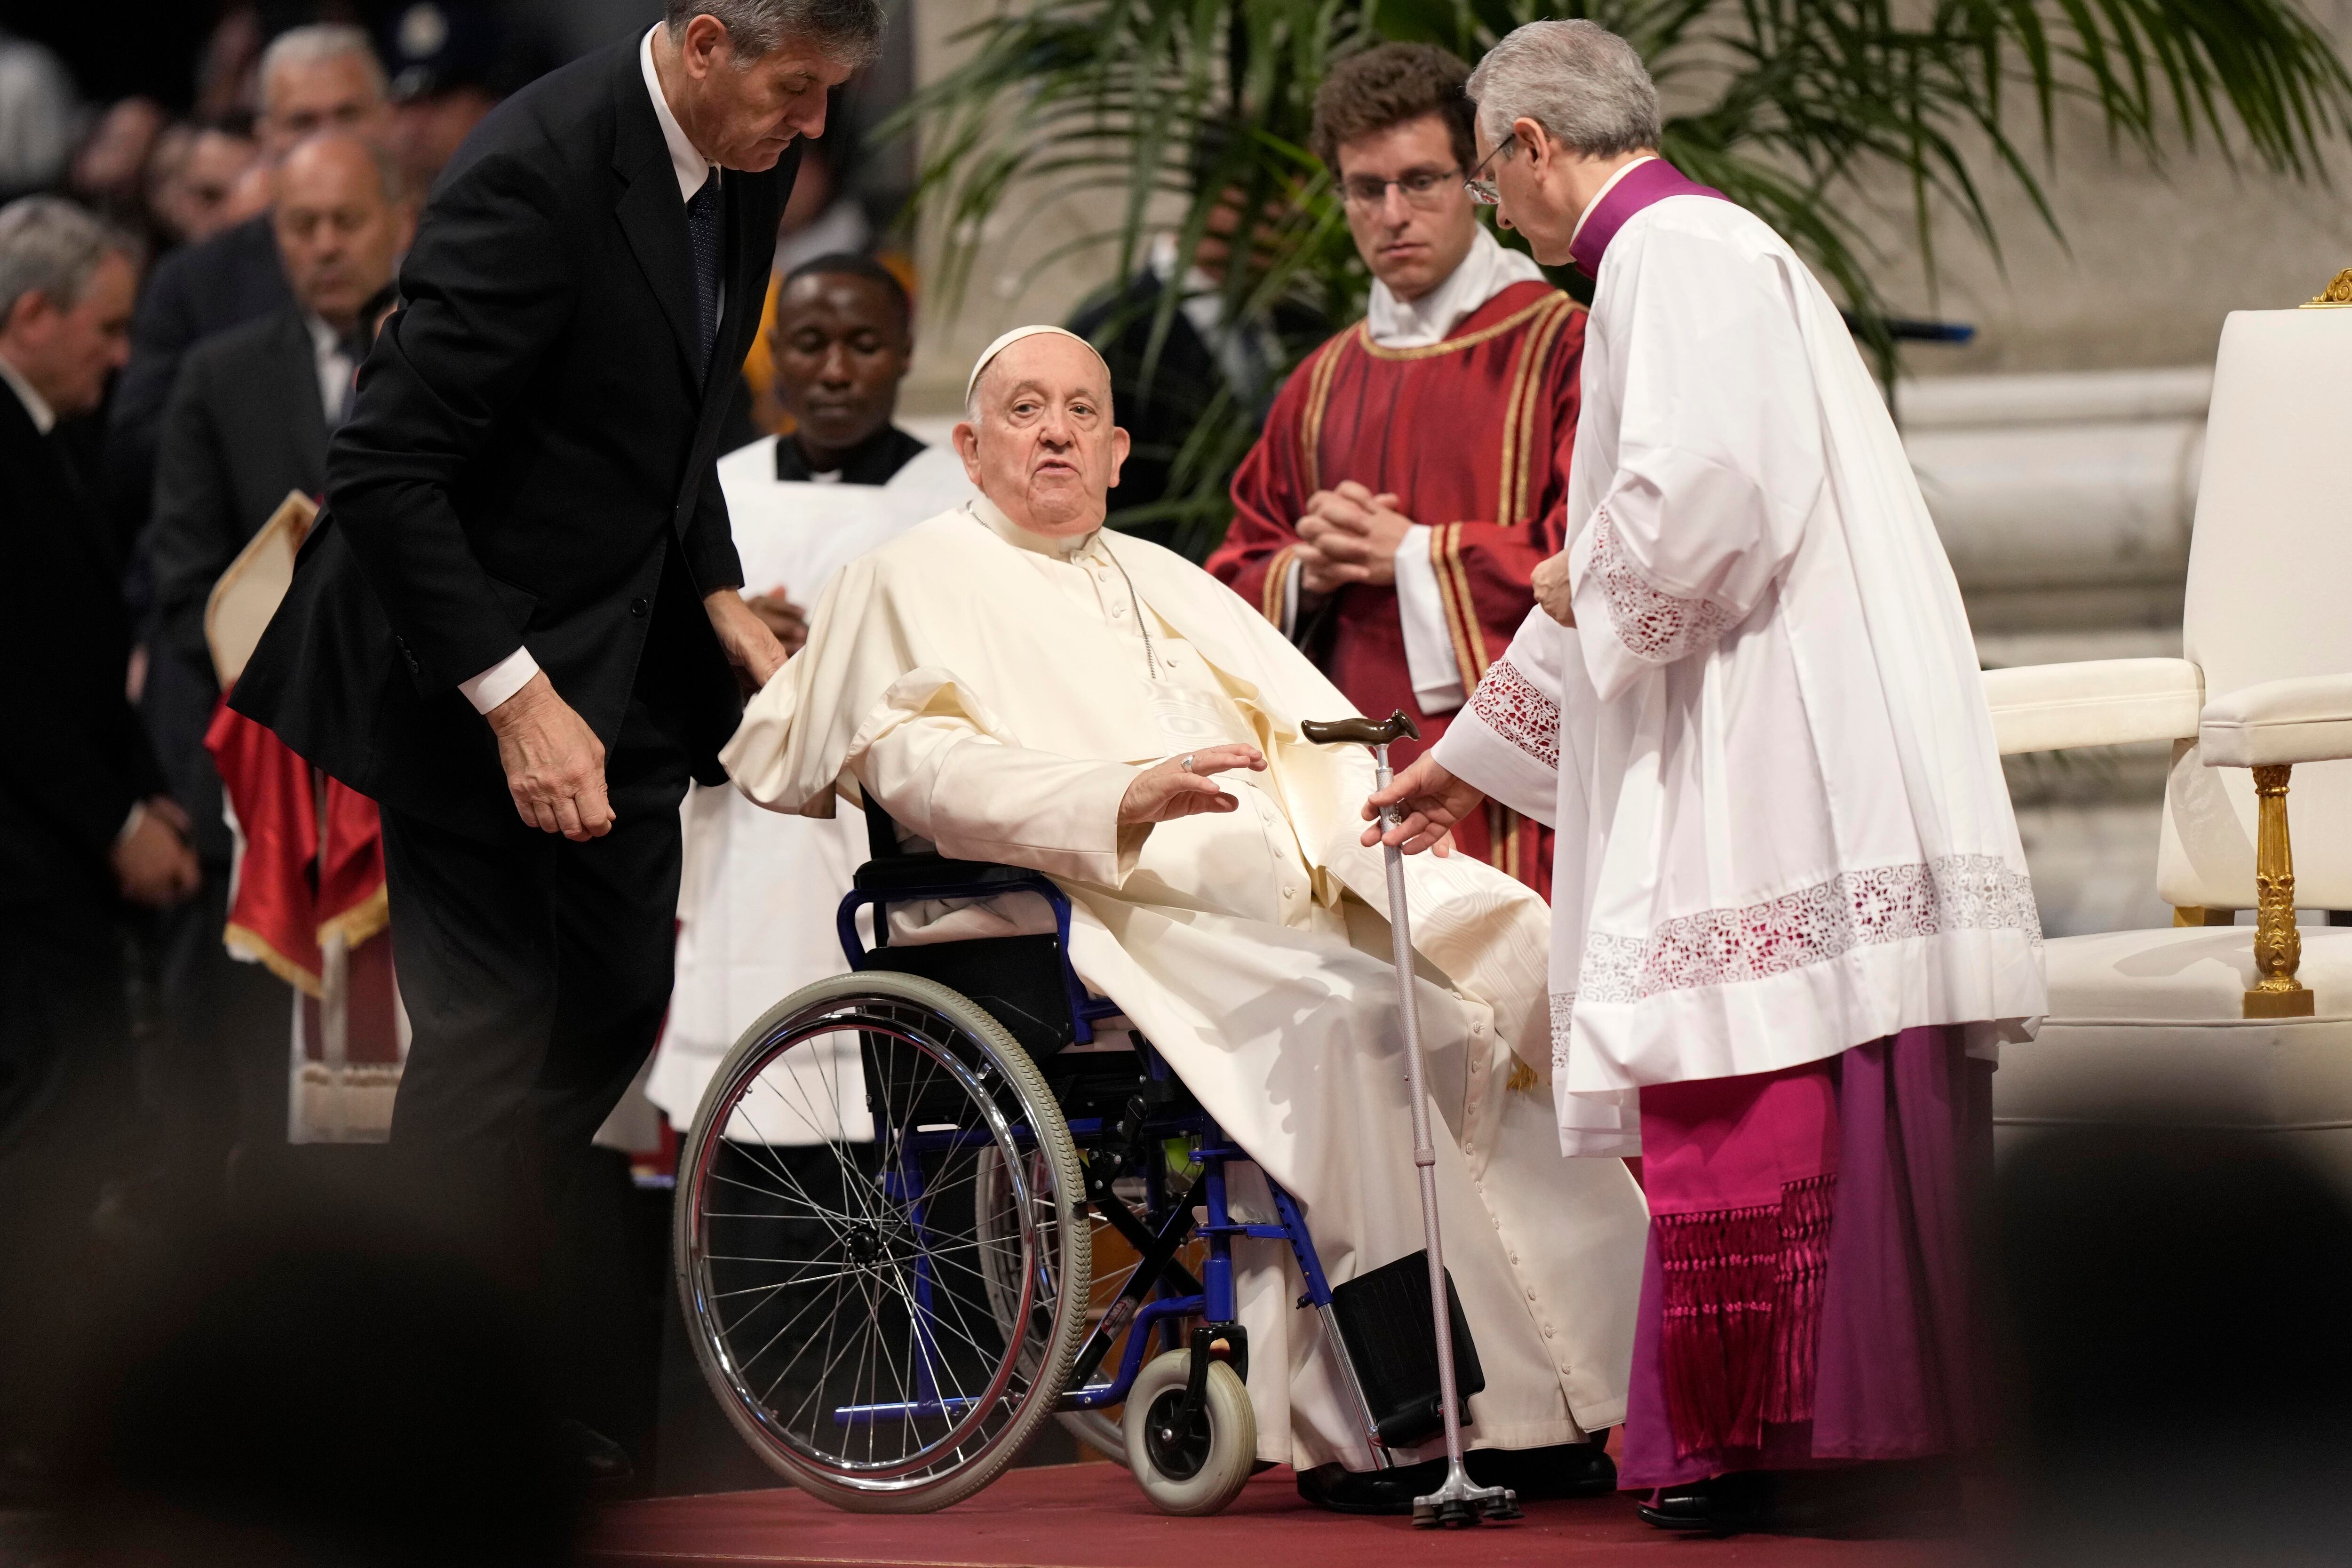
1385,1321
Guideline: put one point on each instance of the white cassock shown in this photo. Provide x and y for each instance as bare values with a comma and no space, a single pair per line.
757,894
1782,827
997,692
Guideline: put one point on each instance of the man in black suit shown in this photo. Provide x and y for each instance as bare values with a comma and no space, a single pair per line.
318,78
84,823
514,625
247,423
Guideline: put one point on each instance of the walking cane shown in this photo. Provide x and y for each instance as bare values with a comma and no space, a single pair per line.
1458,1502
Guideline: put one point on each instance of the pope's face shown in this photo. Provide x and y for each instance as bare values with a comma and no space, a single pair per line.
1041,444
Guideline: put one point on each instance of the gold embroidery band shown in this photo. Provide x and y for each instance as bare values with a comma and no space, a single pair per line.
1460,604
1540,342
1444,552
1277,576
1319,394
1467,340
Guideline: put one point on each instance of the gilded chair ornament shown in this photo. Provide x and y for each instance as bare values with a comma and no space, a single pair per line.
2337,292
2278,946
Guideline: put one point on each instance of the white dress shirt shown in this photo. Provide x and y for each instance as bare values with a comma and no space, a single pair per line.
335,365
512,673
37,408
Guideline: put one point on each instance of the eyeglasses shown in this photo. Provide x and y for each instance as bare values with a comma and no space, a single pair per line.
1483,191
1421,187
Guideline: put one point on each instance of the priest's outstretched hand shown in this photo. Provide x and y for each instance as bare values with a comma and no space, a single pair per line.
1185,785
1431,800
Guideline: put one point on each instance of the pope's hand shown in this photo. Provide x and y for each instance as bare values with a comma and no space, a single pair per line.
1432,800
1551,586
750,645
554,762
1173,789
781,615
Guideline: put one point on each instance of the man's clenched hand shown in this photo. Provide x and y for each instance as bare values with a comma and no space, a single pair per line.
750,647
1433,801
781,615
1172,790
554,762
1551,586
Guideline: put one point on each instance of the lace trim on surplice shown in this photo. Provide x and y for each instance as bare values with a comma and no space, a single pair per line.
1655,627
1812,925
1509,703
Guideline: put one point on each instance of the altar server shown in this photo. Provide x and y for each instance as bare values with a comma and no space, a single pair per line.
1015,683
1790,910
756,900
1412,470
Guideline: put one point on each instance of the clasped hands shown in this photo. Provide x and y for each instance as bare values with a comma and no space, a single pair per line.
1349,535
554,762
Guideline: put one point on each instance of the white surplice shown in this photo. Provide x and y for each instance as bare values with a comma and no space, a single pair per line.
757,895
1782,827
997,691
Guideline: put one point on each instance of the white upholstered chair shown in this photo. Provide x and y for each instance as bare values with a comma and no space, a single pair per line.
2189,1026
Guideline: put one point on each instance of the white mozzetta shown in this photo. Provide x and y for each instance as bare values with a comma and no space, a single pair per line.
2304,719
2099,702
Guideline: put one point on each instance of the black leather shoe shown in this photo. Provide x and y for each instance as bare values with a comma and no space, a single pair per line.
1566,1470
1544,1475
1721,1505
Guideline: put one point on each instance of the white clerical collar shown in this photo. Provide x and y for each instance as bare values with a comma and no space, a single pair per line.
37,408
1594,205
1062,548
690,166
1484,272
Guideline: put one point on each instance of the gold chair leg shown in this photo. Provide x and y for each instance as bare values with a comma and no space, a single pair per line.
2278,946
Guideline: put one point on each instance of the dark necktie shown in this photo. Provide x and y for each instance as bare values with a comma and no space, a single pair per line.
703,222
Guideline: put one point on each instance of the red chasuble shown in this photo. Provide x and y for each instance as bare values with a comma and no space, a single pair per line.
1473,436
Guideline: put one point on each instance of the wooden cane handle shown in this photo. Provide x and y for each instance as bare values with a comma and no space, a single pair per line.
1360,731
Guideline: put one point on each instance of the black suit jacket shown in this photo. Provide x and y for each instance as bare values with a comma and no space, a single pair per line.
245,426
75,760
231,278
529,462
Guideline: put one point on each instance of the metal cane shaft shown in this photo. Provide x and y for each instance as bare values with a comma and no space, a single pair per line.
1424,1152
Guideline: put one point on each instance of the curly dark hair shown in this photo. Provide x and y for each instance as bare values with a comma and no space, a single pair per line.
1387,85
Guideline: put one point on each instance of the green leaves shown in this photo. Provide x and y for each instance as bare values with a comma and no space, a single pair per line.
1155,112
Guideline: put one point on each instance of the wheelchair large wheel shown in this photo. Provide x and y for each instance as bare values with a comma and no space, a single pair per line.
862,1331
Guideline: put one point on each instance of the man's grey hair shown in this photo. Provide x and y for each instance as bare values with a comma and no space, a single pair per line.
849,31
314,45
52,248
1583,83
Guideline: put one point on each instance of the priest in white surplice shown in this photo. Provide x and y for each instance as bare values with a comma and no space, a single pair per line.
757,894
1791,918
1012,683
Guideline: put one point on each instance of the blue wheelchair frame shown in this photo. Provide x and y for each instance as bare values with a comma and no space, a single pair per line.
1169,1225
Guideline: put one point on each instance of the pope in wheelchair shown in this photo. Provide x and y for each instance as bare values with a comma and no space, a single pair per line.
904,1206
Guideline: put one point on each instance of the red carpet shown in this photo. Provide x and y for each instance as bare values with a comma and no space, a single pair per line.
1092,1516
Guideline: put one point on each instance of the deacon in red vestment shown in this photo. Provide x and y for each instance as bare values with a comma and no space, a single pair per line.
1413,469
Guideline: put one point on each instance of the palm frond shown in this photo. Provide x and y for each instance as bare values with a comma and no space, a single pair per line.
1152,113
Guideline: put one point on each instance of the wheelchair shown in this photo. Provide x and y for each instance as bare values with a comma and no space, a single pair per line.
930,1204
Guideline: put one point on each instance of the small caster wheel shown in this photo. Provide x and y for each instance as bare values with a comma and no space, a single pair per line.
1189,1467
